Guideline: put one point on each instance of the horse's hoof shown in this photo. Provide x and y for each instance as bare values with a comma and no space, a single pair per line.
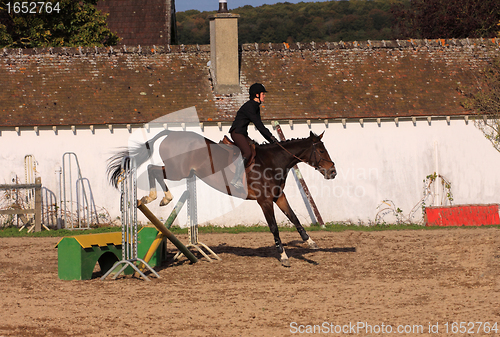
165,202
167,198
285,262
311,244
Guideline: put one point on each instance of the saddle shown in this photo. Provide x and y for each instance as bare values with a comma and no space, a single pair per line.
236,150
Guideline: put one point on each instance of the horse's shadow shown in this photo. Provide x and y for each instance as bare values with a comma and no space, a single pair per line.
294,249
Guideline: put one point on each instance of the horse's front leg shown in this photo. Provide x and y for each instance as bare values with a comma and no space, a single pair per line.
267,208
283,204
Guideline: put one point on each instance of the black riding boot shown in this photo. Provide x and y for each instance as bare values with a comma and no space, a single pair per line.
238,174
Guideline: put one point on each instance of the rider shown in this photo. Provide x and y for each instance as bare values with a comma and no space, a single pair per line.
249,112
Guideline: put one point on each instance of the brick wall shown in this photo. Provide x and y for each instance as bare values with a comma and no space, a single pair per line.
144,22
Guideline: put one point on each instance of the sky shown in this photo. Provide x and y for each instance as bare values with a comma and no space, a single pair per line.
212,5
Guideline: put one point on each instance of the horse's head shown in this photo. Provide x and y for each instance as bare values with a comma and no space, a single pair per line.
319,157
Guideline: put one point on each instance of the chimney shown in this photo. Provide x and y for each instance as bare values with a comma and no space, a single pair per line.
222,6
224,61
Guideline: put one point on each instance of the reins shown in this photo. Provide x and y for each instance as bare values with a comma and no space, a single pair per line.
303,161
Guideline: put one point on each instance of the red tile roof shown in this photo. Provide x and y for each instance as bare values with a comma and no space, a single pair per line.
92,86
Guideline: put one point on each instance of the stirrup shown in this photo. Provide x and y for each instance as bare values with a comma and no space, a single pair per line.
237,183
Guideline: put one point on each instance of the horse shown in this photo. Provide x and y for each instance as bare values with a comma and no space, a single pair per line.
185,154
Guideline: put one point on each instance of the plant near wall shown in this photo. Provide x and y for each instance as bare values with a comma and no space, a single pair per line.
483,98
429,181
389,208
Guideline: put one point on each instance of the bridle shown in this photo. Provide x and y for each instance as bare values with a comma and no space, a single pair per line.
313,152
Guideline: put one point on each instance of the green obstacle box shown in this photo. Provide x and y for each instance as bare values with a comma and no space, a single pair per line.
78,255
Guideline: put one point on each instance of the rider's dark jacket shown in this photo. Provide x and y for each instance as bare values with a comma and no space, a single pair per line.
250,112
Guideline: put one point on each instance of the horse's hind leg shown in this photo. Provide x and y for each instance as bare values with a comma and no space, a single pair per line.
267,208
160,176
282,203
156,174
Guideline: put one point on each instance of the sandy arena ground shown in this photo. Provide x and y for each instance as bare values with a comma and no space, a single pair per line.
391,279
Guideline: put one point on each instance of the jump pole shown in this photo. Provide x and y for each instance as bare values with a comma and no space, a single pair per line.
128,188
165,232
193,223
168,224
308,200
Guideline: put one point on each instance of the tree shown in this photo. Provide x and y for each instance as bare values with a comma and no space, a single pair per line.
433,19
484,100
302,22
58,23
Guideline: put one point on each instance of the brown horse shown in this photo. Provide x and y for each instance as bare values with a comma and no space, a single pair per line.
187,153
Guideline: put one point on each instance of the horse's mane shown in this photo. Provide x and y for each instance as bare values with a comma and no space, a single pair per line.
283,142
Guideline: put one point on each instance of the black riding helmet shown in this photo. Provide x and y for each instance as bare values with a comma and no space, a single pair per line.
256,89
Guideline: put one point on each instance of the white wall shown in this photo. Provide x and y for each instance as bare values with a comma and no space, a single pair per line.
374,163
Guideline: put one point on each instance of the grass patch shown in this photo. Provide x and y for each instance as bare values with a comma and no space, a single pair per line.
329,227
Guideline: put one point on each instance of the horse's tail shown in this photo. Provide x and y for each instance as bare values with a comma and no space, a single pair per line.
141,153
